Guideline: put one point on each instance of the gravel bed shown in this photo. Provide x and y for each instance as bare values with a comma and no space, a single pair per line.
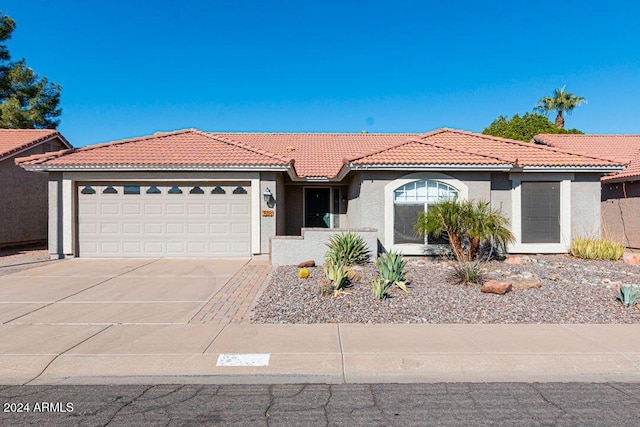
572,291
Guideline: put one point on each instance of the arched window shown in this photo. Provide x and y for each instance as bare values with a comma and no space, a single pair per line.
410,200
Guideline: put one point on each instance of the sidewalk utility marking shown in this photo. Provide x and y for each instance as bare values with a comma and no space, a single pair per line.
255,359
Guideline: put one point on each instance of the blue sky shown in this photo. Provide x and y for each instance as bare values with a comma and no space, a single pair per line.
131,68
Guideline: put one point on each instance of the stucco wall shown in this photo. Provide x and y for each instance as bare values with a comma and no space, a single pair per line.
368,211
23,196
292,250
294,214
585,205
267,223
501,193
620,207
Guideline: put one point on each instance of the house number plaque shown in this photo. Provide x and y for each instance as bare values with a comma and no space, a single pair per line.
267,213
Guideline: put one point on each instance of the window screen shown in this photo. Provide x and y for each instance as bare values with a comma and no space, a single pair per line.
404,219
540,212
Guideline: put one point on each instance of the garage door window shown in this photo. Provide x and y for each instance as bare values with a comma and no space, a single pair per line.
110,190
239,190
196,190
153,190
175,190
218,190
88,190
131,189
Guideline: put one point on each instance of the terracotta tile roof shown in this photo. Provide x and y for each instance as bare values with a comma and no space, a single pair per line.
15,140
319,154
187,147
617,148
449,146
316,155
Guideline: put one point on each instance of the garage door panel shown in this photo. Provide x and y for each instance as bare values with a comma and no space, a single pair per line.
194,223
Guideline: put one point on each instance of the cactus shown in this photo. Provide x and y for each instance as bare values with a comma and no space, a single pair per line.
303,273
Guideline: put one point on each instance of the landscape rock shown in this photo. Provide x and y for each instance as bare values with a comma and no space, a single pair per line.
495,287
631,258
514,260
310,263
526,282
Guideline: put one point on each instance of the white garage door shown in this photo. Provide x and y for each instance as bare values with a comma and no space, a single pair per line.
164,220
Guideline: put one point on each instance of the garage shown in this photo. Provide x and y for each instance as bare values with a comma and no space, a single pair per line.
164,219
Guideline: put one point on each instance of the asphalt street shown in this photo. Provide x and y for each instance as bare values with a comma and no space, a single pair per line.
454,404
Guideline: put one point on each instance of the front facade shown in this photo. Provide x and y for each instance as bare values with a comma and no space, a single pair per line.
23,210
198,194
620,192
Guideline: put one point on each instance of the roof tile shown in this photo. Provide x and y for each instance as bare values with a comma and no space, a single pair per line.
15,140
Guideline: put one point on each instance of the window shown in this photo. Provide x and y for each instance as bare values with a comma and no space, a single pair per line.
218,190
540,212
412,199
175,190
153,190
88,190
196,190
131,189
110,190
239,190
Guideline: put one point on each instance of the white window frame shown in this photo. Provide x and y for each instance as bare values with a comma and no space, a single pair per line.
565,180
389,202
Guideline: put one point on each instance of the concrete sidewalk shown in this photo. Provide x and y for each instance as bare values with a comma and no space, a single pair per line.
327,353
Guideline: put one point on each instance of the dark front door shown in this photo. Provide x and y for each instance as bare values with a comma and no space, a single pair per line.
317,203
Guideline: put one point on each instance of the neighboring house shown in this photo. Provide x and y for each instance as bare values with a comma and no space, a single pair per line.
620,197
23,195
193,194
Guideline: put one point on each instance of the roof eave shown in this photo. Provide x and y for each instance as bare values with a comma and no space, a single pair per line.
439,167
594,169
153,167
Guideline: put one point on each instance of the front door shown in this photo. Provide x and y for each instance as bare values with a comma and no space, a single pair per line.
317,207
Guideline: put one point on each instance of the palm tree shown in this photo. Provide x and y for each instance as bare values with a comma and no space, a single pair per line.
561,102
473,222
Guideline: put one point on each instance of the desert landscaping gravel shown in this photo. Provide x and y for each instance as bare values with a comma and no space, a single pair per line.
572,291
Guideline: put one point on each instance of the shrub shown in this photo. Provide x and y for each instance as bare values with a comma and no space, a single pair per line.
467,225
391,268
628,295
467,272
303,273
379,287
348,248
600,249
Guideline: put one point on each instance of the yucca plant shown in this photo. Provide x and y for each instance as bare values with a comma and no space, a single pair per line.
391,268
628,295
348,248
379,287
594,248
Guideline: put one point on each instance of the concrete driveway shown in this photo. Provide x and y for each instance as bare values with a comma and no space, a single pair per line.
114,291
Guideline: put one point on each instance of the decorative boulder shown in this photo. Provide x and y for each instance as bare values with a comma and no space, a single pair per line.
306,264
495,287
525,282
513,260
631,258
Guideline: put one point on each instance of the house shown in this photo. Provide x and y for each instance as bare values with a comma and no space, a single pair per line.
196,194
620,196
23,195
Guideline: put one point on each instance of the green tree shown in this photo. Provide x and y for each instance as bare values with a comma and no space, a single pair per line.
561,102
27,101
467,225
523,128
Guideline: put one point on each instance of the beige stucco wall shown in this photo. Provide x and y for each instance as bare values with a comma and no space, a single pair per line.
23,199
585,205
620,207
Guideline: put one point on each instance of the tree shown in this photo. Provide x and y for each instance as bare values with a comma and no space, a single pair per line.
561,102
523,128
27,101
467,225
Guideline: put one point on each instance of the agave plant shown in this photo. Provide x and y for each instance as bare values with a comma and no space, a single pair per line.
379,287
336,273
391,268
628,295
348,248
